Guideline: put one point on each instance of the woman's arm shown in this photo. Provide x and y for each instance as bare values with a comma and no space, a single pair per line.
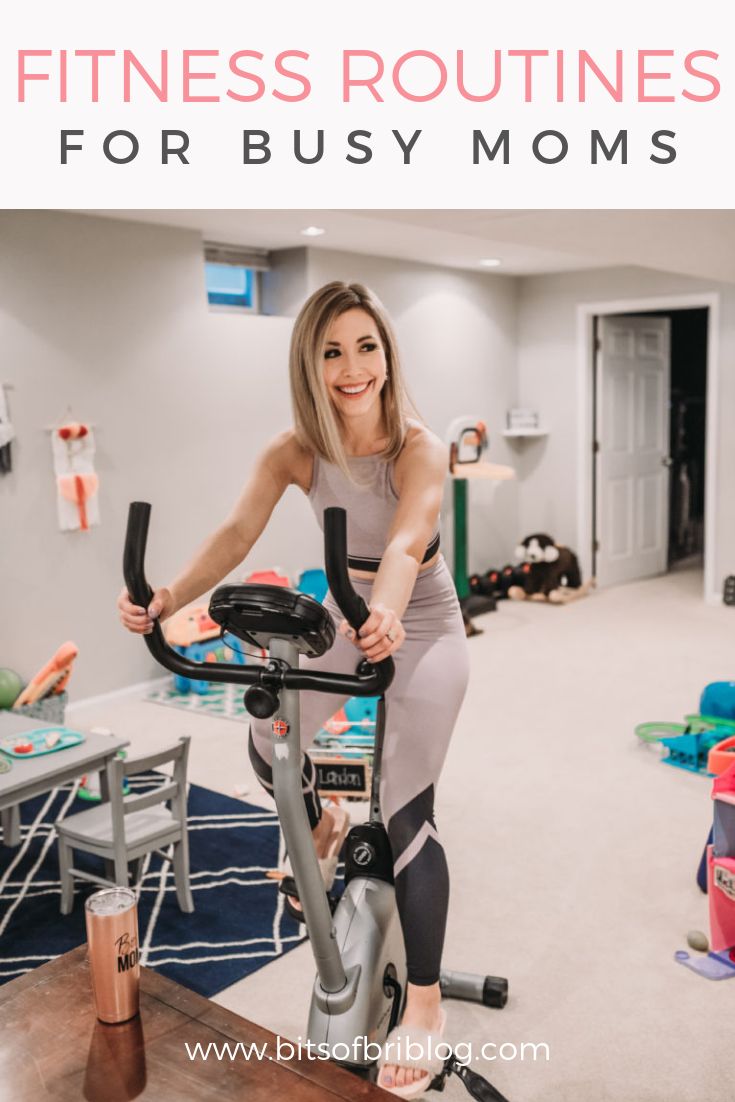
424,464
232,541
276,467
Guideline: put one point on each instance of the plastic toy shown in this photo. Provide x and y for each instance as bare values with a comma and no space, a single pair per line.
357,714
223,649
193,633
90,788
352,726
11,686
192,624
715,966
721,863
718,700
44,740
51,678
721,756
716,877
468,440
689,751
689,744
313,582
268,577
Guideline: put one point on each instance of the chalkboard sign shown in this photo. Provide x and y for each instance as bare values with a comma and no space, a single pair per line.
344,778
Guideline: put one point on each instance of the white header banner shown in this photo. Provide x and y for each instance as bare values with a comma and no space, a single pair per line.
399,104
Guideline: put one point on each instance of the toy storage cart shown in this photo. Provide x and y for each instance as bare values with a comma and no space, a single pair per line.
721,863
221,649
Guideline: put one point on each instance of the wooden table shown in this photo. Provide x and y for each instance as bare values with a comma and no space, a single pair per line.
53,1047
32,776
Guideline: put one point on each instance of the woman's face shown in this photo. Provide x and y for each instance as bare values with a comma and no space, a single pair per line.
354,363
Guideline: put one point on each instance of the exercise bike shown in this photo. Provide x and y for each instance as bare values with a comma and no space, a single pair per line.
359,953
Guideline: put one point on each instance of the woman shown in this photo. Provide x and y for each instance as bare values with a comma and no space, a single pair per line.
354,445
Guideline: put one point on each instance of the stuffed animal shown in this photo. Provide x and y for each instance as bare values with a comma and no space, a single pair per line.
554,573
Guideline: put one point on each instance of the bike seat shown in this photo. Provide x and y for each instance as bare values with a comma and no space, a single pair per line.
258,613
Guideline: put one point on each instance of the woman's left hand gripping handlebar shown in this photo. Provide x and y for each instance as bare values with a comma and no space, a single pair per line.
380,636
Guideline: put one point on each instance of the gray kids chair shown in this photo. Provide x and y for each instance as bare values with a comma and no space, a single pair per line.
126,828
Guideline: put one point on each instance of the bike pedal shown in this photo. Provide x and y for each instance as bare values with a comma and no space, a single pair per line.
438,1082
288,888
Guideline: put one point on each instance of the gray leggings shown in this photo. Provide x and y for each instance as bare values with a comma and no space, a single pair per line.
432,668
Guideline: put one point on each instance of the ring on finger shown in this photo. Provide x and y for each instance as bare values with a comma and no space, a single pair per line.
389,635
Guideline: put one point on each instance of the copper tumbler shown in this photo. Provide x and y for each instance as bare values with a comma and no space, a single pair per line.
112,937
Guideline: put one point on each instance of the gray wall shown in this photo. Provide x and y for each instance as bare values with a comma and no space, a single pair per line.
110,318
284,286
547,380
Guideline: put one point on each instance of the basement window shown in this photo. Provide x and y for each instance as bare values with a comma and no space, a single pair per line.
232,275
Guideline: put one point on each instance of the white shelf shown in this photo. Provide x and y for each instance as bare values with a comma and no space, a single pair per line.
525,432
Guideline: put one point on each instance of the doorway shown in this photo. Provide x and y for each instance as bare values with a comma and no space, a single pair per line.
698,537
649,449
688,437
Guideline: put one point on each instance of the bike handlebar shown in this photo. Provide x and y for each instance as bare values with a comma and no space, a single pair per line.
370,679
350,603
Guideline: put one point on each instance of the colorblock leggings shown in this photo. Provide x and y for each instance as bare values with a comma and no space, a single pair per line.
423,702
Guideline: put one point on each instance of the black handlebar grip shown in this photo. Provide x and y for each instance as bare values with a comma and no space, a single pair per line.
351,605
373,678
349,602
136,538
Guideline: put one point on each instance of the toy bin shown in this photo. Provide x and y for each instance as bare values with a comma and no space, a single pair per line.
721,863
721,892
222,649
722,756
51,709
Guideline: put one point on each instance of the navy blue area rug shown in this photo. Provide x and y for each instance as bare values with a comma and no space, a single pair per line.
239,923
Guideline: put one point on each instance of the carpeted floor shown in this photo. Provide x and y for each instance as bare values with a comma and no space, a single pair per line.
221,701
238,924
572,850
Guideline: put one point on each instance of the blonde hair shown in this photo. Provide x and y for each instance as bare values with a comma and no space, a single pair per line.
315,419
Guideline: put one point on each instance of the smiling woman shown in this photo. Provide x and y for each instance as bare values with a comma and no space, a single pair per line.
358,362
357,443
347,388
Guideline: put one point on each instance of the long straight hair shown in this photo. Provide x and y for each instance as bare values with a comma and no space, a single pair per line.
315,419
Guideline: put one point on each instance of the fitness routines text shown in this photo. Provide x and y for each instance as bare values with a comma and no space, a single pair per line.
488,80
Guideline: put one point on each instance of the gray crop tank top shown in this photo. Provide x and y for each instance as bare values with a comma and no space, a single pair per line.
370,505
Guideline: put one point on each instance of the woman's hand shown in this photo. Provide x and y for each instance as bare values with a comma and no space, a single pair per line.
381,634
140,620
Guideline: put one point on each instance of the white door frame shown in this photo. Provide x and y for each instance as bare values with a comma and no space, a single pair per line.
586,313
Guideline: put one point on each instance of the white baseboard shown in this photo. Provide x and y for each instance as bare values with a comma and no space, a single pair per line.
118,694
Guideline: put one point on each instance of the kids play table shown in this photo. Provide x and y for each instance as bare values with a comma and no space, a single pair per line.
32,776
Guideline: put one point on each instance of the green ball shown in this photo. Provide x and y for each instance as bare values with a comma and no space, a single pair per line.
10,688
